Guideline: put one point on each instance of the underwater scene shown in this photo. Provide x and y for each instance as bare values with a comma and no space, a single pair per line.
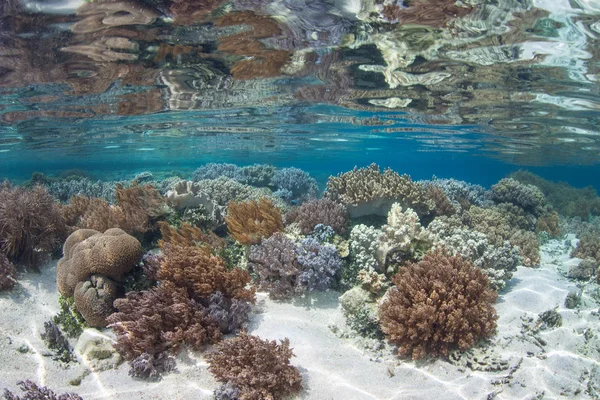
299,199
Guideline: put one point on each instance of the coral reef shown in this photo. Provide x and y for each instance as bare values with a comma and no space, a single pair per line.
584,270
443,205
31,224
460,193
35,392
63,190
565,199
437,304
187,235
367,191
214,171
108,256
322,211
363,249
249,222
8,273
256,368
160,319
549,223
588,246
528,245
528,197
274,261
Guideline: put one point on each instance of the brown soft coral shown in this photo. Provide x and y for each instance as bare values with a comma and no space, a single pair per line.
161,319
249,222
136,208
188,235
87,252
437,304
588,246
202,273
258,369
30,224
322,211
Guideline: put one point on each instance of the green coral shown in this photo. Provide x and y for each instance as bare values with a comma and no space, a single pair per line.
71,321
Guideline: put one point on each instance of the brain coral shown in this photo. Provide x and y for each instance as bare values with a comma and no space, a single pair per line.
90,263
437,304
367,191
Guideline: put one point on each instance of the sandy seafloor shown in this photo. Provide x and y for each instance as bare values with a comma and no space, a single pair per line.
520,362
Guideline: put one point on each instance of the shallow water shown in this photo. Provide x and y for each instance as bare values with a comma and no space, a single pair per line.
141,92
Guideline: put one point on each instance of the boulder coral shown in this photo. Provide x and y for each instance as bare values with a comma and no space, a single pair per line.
92,263
442,302
368,191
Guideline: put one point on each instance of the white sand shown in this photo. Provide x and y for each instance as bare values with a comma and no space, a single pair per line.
554,363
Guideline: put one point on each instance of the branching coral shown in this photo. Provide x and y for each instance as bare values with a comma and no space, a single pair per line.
298,182
35,392
274,261
588,246
8,273
438,304
528,197
258,369
320,264
202,273
323,211
30,224
161,319
549,223
497,262
443,205
528,245
367,191
249,222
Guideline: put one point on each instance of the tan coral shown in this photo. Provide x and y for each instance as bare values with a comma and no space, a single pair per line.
112,253
249,222
94,299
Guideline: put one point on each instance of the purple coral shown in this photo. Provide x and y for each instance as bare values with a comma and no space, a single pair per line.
299,182
214,171
35,392
319,263
151,366
230,314
274,261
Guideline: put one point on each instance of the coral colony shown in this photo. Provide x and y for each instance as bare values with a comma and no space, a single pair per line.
176,263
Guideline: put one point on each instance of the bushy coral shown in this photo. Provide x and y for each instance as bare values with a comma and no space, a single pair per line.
368,191
188,235
443,205
528,197
161,319
259,175
202,273
460,193
8,273
363,249
258,369
297,181
497,262
274,262
249,222
214,171
35,392
319,263
31,224
137,207
438,304
57,342
322,211
151,366
588,246
549,223
528,245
